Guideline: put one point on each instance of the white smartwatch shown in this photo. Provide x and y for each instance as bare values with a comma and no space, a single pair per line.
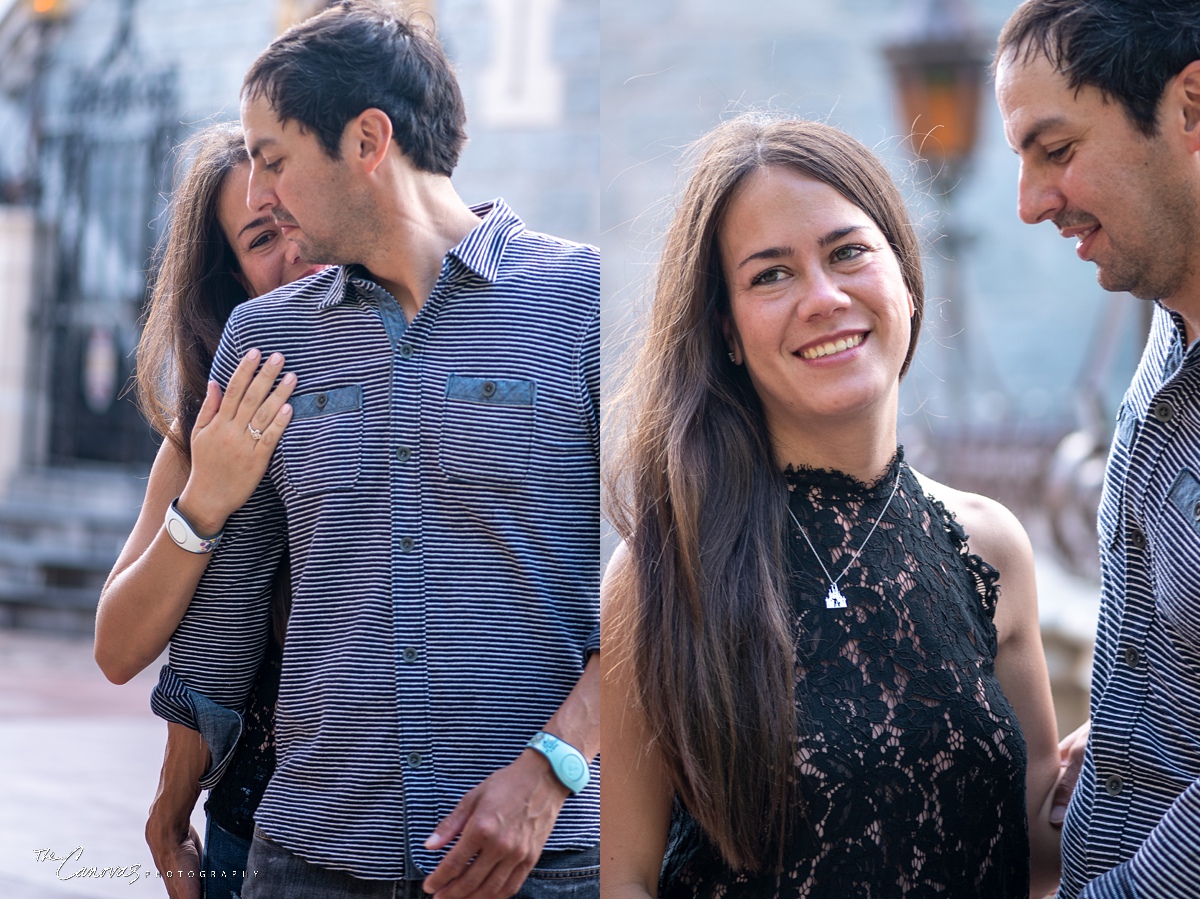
568,763
181,531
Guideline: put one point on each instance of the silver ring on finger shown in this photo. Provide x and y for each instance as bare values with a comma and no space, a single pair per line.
254,432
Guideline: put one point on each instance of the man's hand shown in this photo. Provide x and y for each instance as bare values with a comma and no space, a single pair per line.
174,844
502,825
1070,756
179,856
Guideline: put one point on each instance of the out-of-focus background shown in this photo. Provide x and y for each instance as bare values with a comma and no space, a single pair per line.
1023,358
94,97
578,116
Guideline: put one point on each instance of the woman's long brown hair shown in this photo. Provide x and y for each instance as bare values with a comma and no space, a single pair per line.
195,288
693,488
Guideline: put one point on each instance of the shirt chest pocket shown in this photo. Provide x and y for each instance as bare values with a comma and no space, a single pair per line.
487,429
322,445
1178,584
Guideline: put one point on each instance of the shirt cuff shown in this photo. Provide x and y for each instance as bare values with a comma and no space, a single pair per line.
219,726
592,646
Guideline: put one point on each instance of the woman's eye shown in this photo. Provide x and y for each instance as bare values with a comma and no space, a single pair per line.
848,252
262,240
770,276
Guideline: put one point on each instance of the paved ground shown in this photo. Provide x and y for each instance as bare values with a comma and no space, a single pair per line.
79,762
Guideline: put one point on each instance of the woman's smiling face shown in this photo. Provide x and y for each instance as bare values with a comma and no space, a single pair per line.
819,312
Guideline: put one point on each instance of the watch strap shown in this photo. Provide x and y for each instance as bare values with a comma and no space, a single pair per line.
569,765
181,531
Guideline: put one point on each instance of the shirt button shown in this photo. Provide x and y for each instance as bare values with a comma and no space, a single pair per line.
407,544
1113,786
322,399
1131,657
489,388
406,351
1137,538
411,654
1196,511
403,453
414,760
1163,411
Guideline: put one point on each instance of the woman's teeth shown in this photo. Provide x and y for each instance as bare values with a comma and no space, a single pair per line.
834,346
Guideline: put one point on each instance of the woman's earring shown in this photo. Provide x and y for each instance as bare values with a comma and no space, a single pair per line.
732,358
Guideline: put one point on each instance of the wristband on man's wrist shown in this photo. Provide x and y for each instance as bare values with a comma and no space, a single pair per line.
181,531
568,763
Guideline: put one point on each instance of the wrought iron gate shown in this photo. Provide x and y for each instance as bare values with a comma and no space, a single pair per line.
104,176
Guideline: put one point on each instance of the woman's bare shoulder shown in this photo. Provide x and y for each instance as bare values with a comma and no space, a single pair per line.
993,532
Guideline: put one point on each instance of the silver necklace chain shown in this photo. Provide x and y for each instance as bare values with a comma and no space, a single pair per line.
834,599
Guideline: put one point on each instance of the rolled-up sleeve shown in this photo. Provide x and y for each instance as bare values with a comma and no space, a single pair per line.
217,648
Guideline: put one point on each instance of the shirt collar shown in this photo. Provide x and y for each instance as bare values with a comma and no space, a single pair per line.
479,252
482,249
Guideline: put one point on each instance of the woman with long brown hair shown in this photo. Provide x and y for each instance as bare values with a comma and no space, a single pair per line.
216,253
814,686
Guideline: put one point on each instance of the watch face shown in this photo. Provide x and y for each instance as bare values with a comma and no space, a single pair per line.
177,531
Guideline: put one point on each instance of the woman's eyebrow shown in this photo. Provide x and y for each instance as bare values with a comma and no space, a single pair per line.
768,253
257,223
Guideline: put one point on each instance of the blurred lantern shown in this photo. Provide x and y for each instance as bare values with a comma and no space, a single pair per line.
47,9
938,62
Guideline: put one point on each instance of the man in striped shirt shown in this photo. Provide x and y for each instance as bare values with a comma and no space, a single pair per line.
1101,101
438,489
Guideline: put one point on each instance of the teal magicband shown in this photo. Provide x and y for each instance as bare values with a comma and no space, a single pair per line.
568,762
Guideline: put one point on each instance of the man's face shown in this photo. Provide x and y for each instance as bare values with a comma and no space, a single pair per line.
310,195
1123,197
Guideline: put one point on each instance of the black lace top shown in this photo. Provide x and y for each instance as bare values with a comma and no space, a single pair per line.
910,761
233,801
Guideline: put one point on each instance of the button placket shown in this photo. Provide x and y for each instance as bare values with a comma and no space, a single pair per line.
1163,411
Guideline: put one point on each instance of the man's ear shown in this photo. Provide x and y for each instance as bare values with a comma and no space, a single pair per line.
1184,93
367,138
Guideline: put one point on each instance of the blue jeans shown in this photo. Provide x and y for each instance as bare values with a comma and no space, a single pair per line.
569,874
224,862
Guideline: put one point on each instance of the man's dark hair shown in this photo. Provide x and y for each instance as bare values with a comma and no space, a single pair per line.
1129,49
359,55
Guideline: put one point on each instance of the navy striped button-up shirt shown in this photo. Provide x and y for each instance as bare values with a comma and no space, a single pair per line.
1133,827
439,490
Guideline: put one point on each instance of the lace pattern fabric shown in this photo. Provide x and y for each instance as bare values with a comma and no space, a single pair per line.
233,801
910,762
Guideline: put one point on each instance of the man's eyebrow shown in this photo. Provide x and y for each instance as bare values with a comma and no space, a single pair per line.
1037,129
256,148
257,223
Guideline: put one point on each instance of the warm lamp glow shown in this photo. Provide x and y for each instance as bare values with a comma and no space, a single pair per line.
938,69
48,9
